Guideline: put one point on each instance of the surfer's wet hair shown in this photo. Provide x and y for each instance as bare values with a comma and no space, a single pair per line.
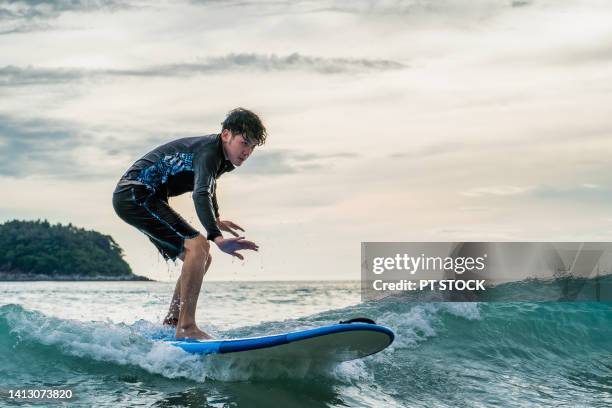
242,121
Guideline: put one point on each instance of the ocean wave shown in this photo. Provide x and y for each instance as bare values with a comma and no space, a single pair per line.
440,349
31,335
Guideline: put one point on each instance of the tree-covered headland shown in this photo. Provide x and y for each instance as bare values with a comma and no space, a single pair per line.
32,249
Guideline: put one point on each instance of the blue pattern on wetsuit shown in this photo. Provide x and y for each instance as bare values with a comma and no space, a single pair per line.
158,173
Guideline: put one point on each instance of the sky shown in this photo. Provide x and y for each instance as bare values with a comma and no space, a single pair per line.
422,120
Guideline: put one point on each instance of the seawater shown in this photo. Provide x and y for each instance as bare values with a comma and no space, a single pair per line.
91,338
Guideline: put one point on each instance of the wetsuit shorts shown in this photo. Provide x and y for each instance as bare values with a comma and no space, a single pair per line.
152,215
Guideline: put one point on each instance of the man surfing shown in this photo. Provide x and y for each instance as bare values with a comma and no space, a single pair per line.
182,165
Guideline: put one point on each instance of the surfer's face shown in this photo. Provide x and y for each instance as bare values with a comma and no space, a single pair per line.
237,147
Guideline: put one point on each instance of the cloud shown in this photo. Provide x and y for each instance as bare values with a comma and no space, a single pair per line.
25,28
51,148
24,16
586,193
319,156
34,146
17,76
569,55
31,146
270,162
478,232
296,61
583,193
277,162
376,7
520,3
502,190
41,9
591,185
431,151
600,52
14,76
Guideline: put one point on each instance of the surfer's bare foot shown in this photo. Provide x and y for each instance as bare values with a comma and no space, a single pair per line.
191,332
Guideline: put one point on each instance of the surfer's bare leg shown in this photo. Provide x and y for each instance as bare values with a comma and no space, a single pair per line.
196,255
172,317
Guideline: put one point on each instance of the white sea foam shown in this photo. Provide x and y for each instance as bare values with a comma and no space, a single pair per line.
422,320
103,341
131,345
468,310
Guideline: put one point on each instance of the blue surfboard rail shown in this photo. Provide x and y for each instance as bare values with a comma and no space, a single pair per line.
255,343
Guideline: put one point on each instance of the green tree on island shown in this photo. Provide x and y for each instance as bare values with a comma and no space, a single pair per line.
39,248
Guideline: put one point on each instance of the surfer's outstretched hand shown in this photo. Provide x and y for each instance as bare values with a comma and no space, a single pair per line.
229,226
232,245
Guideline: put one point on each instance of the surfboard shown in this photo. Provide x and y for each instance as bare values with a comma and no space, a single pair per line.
337,342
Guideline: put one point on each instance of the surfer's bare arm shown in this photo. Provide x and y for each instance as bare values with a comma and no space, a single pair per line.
233,245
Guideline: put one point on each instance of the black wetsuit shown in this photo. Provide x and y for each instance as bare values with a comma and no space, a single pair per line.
188,164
